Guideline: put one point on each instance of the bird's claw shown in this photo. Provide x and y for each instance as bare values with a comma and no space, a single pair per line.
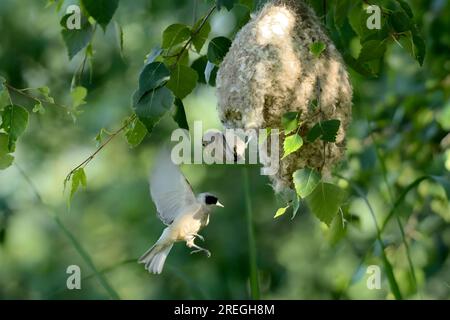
207,252
200,237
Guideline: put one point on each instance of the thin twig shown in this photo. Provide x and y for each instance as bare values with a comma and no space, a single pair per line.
92,156
114,134
194,33
26,95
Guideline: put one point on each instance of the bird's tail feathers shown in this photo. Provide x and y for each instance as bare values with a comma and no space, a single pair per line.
155,257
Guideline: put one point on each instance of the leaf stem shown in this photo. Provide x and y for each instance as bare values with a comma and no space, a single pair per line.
254,282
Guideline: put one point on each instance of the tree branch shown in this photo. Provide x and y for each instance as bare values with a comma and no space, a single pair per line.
104,144
29,96
187,44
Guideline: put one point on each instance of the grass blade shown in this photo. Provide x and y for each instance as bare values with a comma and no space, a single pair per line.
84,255
87,259
393,284
254,282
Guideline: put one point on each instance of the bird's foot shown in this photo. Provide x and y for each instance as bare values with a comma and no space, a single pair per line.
207,252
199,236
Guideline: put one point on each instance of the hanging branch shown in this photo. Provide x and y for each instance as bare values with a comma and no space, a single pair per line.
104,144
179,55
23,92
133,117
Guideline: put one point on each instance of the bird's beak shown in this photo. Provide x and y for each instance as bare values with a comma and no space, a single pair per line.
219,204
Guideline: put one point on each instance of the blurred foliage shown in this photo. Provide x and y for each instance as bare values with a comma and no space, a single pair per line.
73,89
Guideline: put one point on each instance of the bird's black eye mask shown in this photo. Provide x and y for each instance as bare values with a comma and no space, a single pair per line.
211,200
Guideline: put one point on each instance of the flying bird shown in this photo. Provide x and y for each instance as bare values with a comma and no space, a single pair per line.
179,209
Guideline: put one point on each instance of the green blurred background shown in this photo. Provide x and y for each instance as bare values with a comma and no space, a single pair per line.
407,110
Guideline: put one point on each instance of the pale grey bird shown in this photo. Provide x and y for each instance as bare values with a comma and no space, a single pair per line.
178,208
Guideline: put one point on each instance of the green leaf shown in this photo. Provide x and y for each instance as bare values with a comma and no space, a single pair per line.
405,6
179,115
289,122
325,201
400,21
76,39
78,179
175,34
45,91
225,3
420,45
342,9
372,50
178,56
6,161
200,37
199,66
358,66
337,230
292,144
305,181
250,4
99,136
316,48
39,108
78,96
101,10
182,81
295,206
5,158
4,141
136,133
326,130
280,212
14,122
152,106
413,42
152,76
356,18
241,14
217,49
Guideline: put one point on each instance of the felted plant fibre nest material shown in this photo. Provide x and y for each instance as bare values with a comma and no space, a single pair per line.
270,70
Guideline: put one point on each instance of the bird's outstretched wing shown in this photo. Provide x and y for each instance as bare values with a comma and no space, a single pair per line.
170,191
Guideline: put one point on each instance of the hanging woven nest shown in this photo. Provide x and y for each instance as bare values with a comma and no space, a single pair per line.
270,70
